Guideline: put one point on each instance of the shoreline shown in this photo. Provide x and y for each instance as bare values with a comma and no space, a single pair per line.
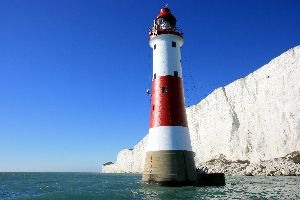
288,165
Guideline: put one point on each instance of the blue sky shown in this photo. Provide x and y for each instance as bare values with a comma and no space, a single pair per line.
73,74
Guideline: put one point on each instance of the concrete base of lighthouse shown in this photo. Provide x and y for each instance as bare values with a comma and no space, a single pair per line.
170,168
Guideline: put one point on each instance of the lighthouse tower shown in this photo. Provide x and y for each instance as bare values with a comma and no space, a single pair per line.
169,156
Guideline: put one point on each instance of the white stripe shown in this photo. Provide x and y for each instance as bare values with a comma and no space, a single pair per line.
169,138
166,59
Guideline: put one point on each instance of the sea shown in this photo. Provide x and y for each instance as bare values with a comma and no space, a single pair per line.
92,186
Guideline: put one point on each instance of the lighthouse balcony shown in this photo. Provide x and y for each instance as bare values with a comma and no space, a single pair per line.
157,30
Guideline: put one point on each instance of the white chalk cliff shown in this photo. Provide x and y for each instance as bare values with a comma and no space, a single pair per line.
254,118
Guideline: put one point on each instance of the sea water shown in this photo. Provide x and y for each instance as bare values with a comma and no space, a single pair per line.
86,186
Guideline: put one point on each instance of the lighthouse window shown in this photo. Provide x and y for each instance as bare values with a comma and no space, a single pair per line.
173,44
164,89
154,76
176,73
154,46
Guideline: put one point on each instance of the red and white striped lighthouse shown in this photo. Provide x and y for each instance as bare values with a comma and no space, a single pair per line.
169,156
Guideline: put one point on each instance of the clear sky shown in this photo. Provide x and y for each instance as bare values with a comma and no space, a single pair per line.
73,73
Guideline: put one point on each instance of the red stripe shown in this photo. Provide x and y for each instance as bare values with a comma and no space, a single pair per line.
167,109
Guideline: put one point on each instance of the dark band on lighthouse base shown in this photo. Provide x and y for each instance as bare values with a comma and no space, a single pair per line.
170,168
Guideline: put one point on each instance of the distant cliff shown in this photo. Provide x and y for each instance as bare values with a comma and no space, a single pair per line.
254,118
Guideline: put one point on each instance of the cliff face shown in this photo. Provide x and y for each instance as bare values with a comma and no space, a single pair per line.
129,161
253,118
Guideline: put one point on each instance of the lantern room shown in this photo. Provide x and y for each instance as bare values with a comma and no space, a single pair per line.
165,23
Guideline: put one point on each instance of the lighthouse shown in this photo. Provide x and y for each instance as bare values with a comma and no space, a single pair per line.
169,157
